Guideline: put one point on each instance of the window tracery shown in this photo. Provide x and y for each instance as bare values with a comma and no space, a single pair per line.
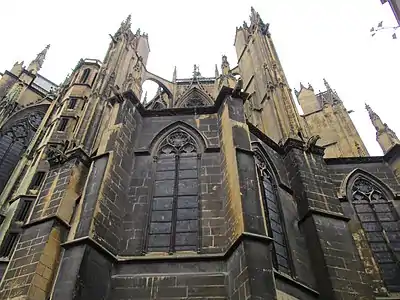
381,225
174,210
14,140
194,101
273,213
194,98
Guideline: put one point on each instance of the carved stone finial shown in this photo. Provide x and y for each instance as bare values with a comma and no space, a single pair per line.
310,87
296,92
328,87
174,75
128,20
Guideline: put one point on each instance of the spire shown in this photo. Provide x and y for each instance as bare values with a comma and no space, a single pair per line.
257,22
310,87
216,71
372,115
125,26
254,16
37,63
174,75
369,110
385,136
302,86
328,87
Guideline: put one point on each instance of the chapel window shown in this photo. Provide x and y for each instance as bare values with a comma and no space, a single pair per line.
174,213
381,225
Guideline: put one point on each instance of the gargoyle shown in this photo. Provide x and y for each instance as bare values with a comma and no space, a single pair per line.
312,141
55,155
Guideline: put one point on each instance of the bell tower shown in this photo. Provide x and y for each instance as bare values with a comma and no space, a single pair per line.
270,106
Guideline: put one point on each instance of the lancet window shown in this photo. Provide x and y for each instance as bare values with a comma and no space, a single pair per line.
381,225
273,213
174,211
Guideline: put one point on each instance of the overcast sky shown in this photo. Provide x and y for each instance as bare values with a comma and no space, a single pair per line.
314,39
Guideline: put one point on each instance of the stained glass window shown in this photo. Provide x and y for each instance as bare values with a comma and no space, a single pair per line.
273,213
174,214
381,224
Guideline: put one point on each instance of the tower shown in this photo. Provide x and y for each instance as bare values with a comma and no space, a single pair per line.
325,115
386,137
270,106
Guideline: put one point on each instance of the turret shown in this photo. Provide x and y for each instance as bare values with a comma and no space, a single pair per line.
326,116
307,99
386,137
17,68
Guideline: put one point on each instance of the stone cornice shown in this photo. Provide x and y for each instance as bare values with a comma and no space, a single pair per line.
224,93
354,160
393,153
291,143
325,213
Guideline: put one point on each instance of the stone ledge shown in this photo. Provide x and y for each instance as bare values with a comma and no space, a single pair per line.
33,197
354,160
223,93
180,256
325,213
46,219
296,283
147,152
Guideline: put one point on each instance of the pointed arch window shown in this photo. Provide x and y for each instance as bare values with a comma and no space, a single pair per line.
273,213
381,225
173,223
85,75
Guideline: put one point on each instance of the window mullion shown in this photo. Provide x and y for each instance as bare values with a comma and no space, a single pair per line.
174,207
267,218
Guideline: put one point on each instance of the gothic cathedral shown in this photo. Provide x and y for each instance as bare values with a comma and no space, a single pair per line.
216,188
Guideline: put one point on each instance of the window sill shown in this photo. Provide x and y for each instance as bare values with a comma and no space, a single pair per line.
296,283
